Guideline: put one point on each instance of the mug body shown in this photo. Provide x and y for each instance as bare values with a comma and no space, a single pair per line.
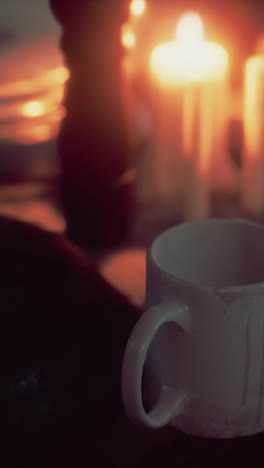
216,269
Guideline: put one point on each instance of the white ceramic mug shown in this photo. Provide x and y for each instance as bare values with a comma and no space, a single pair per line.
200,341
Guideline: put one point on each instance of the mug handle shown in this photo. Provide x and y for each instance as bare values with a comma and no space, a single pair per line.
171,402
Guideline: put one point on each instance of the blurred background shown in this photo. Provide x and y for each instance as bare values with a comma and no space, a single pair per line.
33,83
32,76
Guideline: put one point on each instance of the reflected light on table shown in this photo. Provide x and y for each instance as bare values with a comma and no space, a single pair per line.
126,271
31,109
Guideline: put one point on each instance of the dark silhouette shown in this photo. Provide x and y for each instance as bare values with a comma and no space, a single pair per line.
62,336
94,146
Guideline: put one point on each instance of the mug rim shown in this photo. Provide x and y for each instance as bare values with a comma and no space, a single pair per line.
235,289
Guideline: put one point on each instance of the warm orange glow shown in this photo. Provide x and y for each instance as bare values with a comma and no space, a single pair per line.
188,124
128,38
252,111
190,28
207,130
42,133
23,133
33,109
61,75
259,49
126,271
252,188
48,79
30,131
137,7
42,104
172,63
189,59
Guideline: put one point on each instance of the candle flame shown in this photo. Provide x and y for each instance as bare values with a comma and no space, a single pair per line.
189,58
190,28
137,7
128,38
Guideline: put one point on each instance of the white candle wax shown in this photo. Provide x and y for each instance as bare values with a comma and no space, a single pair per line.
252,187
193,72
167,108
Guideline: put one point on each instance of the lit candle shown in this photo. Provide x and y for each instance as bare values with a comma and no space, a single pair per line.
191,85
252,190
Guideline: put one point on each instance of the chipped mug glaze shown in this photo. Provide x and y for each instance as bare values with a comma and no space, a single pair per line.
200,341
